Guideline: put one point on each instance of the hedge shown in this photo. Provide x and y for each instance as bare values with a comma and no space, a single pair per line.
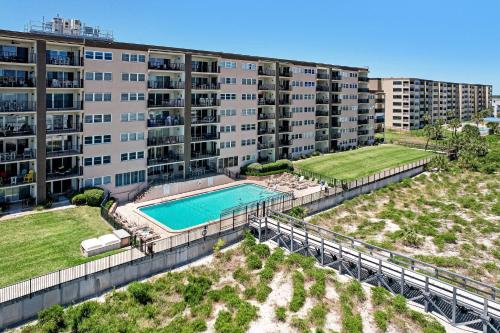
91,196
257,169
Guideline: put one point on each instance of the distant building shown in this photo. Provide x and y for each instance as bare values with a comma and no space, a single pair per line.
496,105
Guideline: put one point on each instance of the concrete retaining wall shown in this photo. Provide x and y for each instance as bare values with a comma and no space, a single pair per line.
334,200
20,310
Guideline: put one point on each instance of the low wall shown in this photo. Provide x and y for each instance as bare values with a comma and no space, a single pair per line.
161,191
334,200
17,311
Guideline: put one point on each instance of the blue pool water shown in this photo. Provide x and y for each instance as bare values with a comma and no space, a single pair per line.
192,211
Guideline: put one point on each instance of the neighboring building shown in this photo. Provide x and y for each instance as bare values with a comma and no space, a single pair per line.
78,109
496,106
408,100
375,86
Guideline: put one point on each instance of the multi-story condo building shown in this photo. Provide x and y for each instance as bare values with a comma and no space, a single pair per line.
408,100
79,110
375,86
496,106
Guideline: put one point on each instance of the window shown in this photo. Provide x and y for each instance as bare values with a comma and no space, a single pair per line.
134,77
97,97
131,97
249,67
97,139
132,136
248,142
248,112
133,57
228,128
227,112
228,80
97,181
248,97
226,97
227,64
130,156
98,76
248,127
97,118
227,144
128,178
97,160
97,55
248,81
132,116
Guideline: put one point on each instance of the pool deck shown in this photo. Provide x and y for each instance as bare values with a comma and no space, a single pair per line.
131,210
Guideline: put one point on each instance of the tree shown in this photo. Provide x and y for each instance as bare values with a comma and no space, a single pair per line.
480,115
471,146
493,128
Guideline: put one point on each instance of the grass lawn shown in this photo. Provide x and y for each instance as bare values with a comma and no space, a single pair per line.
40,243
413,136
362,162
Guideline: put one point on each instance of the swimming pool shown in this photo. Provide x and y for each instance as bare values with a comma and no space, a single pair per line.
192,211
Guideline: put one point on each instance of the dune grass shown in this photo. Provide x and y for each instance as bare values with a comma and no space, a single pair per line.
43,242
362,162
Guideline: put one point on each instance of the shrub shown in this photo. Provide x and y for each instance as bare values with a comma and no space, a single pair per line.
141,292
379,295
196,289
94,196
299,293
257,169
280,313
76,315
399,303
52,319
266,275
262,250
317,315
262,291
298,212
79,199
250,292
300,324
241,275
253,262
218,246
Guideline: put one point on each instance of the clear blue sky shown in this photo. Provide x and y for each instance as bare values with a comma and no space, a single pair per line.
452,40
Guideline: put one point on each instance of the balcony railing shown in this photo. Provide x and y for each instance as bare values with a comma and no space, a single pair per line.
205,102
322,87
205,120
173,103
336,77
363,132
6,56
262,146
64,61
266,72
336,100
266,116
285,87
363,111
64,83
152,84
285,101
62,130
363,90
286,142
286,73
14,82
76,105
205,137
379,120
14,156
322,76
336,88
196,155
266,101
321,100
321,113
321,125
64,172
67,150
285,115
171,158
205,69
335,135
263,131
363,121
336,124
17,179
15,106
165,140
166,66
285,129
322,137
14,129
168,121
266,86
363,79
205,86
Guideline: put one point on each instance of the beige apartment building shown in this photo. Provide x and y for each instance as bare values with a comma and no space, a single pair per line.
82,110
408,100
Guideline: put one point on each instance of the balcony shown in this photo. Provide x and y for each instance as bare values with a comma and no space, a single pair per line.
363,79
379,120
322,87
336,77
17,106
152,84
15,129
321,113
285,101
321,137
205,102
321,125
266,86
170,158
335,135
65,130
363,111
64,172
166,66
64,61
263,146
166,122
285,115
363,90
22,58
205,120
285,129
266,72
174,103
26,177
266,101
284,156
199,68
285,142
265,131
321,100
198,155
263,159
336,99
285,73
363,121
14,82
14,156
266,116
285,87
363,132
323,76
75,84
336,123
67,150
205,137
336,88
205,86
165,140
65,106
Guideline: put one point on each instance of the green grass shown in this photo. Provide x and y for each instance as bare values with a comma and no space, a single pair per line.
43,242
362,162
